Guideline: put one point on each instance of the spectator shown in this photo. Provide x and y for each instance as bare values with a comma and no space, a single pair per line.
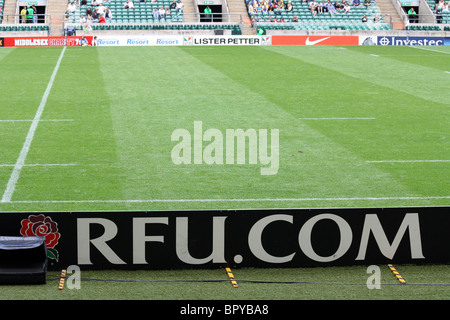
101,9
289,7
70,31
208,13
83,42
30,13
34,13
324,6
128,5
356,3
412,15
364,19
445,7
319,8
347,8
88,13
95,16
155,15
313,7
162,12
108,15
295,19
101,19
23,14
367,3
96,3
173,5
331,9
71,7
180,6
376,19
265,9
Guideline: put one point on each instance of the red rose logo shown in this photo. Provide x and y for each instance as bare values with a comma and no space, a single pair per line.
42,226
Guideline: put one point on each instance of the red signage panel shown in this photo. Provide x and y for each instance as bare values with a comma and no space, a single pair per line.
314,40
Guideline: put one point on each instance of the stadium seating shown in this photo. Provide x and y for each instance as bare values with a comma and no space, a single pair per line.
443,17
20,27
323,21
141,18
142,12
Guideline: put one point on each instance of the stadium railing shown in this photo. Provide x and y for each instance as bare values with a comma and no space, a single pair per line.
14,23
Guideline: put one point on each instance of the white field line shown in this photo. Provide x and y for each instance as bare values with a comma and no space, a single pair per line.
405,161
52,120
10,187
233,200
429,49
41,165
337,118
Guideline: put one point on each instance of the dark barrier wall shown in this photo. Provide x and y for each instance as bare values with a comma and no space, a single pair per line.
242,238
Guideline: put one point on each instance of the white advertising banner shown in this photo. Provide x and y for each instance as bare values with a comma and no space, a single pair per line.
139,40
207,40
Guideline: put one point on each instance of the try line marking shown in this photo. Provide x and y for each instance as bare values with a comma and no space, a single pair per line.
41,165
231,200
337,118
10,187
53,120
402,161
421,48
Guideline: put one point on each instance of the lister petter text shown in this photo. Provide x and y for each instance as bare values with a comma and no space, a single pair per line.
232,41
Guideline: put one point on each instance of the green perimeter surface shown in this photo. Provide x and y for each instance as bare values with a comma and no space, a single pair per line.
428,282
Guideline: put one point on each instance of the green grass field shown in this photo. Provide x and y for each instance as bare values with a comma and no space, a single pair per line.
358,127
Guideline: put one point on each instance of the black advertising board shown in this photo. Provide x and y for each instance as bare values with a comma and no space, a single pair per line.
237,238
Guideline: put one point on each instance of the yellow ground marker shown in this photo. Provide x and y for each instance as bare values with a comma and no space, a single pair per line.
62,279
231,277
396,274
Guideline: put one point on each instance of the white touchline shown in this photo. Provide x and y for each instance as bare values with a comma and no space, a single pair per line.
429,49
52,120
234,200
401,161
337,118
10,187
41,165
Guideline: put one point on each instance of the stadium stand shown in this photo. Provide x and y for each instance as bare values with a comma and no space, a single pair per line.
141,19
441,10
142,12
282,19
12,23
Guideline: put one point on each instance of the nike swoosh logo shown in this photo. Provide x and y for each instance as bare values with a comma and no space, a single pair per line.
310,43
